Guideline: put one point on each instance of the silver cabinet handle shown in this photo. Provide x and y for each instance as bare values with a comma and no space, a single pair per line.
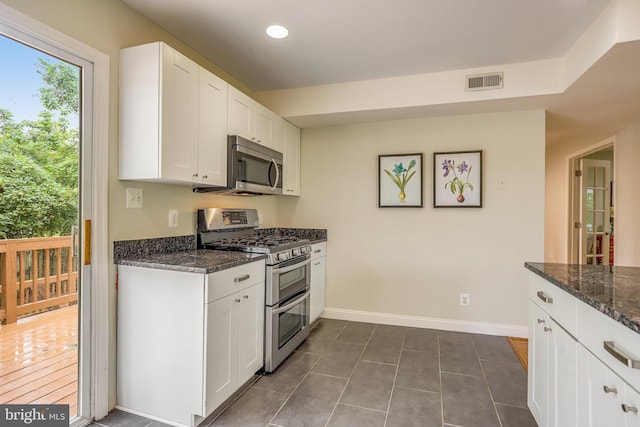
237,299
541,320
316,263
547,329
620,356
545,298
317,251
245,296
242,278
627,408
608,390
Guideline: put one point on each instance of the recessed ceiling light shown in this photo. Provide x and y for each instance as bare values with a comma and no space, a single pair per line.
277,31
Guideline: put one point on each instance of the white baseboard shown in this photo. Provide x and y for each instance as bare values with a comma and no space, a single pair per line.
427,322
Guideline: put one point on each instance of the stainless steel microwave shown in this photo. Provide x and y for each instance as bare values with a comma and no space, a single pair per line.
252,169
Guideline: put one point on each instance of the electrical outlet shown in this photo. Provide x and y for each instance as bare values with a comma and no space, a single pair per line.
465,299
173,218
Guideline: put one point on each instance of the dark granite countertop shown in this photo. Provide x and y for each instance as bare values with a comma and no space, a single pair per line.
613,291
192,261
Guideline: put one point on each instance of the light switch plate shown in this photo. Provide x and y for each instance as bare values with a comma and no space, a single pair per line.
173,218
134,198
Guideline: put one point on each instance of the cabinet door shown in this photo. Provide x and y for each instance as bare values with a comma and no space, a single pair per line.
179,138
539,392
563,377
264,126
318,287
599,393
250,331
212,127
291,167
222,351
241,114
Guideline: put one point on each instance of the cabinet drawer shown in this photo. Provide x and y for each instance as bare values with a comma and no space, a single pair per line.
225,282
596,328
559,304
318,250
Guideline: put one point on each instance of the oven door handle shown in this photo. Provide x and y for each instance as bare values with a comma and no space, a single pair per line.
291,305
291,267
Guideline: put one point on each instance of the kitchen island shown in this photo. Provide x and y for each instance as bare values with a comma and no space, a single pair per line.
584,345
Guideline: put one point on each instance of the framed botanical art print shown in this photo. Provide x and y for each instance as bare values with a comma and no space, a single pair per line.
457,179
400,181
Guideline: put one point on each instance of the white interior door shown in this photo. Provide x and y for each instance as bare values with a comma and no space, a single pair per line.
594,211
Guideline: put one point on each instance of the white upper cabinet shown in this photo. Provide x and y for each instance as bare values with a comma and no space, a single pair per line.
253,121
172,113
291,166
212,152
241,118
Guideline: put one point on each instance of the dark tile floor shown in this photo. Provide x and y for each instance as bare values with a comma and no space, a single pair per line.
360,374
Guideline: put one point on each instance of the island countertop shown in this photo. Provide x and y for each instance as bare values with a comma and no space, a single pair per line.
614,291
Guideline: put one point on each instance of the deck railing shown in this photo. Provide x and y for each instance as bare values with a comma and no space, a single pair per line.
36,275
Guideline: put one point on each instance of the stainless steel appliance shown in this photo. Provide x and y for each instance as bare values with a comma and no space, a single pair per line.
287,279
252,169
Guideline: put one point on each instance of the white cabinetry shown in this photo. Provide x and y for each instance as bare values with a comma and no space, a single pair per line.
171,114
318,279
604,398
212,130
291,167
573,379
187,341
250,120
552,371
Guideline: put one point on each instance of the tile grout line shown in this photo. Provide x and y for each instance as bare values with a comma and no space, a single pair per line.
484,376
395,377
303,378
440,377
354,369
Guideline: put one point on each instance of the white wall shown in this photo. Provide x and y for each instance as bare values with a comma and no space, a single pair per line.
627,202
416,262
625,176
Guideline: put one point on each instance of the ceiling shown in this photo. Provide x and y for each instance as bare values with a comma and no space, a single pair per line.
336,41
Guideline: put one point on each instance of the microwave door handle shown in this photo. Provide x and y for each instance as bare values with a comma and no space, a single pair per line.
275,184
291,305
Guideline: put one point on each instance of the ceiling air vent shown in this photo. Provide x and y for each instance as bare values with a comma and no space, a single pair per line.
485,82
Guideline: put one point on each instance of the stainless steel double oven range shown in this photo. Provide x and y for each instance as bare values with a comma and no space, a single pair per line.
287,274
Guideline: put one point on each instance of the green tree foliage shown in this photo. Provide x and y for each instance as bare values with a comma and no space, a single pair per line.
39,161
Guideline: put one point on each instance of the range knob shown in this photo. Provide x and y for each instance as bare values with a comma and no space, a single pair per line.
295,252
283,256
305,249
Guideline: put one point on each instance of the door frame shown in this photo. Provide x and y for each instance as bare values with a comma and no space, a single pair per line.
15,23
575,189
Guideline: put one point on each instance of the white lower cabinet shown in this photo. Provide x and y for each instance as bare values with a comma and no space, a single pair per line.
187,341
318,279
235,326
604,398
552,371
573,380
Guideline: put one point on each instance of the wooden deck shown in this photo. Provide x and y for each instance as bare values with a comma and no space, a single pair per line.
39,359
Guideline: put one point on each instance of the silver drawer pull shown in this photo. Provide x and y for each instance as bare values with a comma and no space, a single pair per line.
627,408
245,296
237,299
622,357
317,251
547,329
541,320
242,278
545,298
608,390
